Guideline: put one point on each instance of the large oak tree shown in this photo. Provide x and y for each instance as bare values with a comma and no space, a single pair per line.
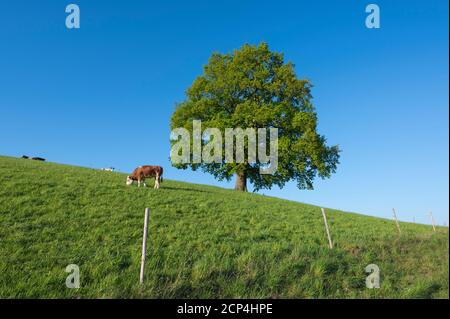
254,88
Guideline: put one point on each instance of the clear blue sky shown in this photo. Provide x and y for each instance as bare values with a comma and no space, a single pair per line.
103,95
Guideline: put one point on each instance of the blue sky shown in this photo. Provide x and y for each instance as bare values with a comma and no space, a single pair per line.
103,95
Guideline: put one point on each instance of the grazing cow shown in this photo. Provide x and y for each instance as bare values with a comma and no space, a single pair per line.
38,159
25,157
143,172
108,169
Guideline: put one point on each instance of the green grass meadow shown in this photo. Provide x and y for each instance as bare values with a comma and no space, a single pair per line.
203,242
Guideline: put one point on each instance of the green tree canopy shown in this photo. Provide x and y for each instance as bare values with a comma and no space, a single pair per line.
254,88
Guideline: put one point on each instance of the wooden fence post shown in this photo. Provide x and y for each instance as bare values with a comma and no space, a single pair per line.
144,245
432,221
396,221
327,229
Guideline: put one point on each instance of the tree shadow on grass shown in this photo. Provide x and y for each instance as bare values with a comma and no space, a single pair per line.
184,189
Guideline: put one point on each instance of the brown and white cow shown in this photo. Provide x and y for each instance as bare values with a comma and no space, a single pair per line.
143,172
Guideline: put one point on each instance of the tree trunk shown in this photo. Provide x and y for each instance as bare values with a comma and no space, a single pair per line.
241,182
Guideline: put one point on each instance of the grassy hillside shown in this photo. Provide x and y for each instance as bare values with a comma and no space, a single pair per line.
203,242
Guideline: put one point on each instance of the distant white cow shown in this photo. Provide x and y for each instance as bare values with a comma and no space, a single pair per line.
108,169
